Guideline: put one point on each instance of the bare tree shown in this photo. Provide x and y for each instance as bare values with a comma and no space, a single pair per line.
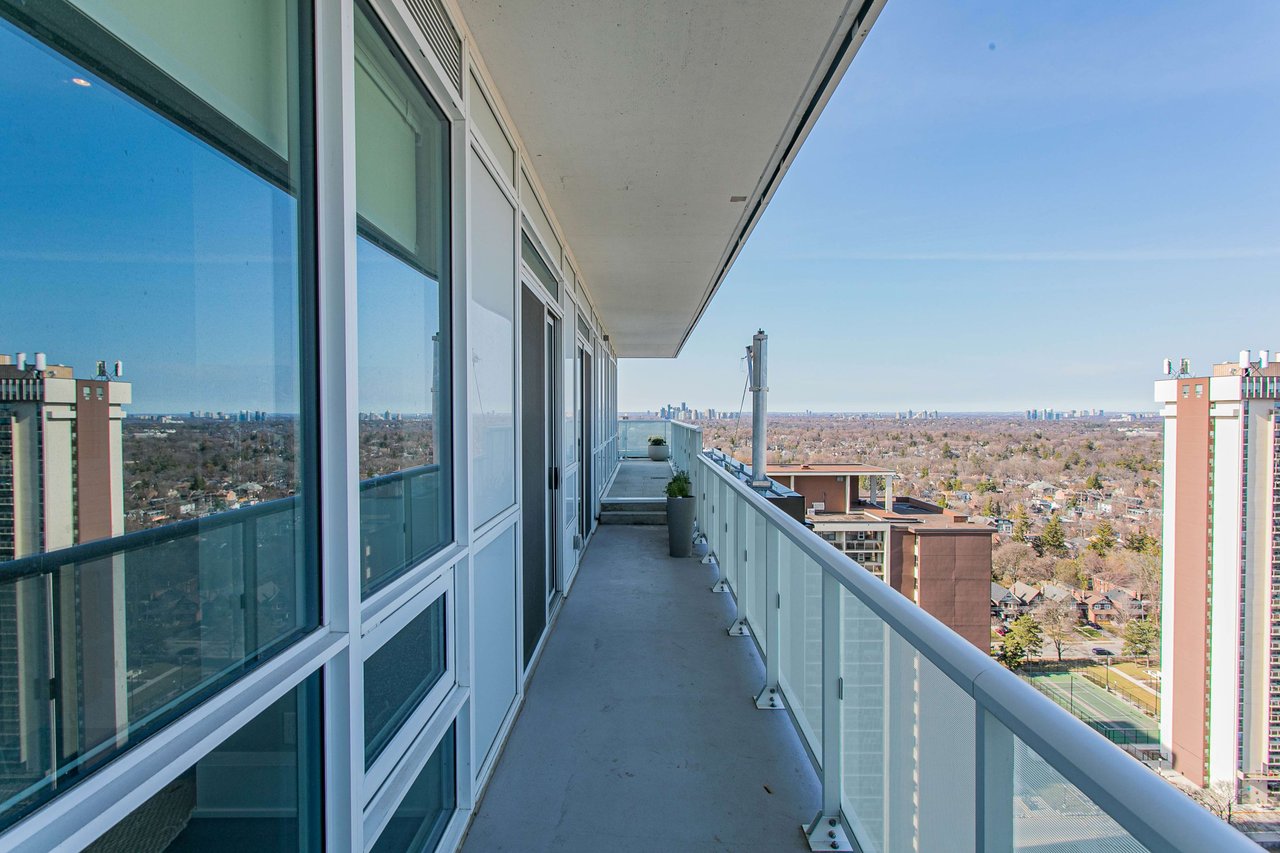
1057,621
1219,798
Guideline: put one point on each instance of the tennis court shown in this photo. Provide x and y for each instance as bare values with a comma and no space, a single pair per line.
1110,715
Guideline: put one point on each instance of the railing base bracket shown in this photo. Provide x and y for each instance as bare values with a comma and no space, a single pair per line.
826,832
739,629
770,699
721,585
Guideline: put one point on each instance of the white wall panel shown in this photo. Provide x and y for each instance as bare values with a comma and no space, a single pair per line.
491,332
494,584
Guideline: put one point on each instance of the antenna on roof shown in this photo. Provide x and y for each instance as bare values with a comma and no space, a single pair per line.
1168,367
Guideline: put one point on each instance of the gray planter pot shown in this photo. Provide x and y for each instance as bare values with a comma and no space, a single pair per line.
659,452
680,526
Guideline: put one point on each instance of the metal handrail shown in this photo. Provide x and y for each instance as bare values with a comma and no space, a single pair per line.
1144,805
48,562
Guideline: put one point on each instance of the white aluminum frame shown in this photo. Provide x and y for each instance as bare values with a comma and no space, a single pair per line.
442,586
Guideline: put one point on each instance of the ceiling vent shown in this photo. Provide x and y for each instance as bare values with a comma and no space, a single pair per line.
441,35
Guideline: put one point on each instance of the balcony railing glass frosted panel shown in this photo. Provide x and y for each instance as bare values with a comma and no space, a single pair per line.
920,740
633,436
153,523
402,275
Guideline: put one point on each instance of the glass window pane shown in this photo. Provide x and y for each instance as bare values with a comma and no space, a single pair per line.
259,790
402,190
538,216
423,815
533,258
398,676
152,520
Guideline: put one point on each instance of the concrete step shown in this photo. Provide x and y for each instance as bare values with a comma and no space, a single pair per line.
631,516
655,505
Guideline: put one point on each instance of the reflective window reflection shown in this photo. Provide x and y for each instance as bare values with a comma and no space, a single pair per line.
423,815
260,790
402,192
154,434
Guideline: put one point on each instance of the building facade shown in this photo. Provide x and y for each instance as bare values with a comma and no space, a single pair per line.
932,555
407,240
1220,685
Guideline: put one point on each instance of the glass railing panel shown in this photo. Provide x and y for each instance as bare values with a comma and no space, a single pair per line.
401,523
908,740
104,643
1049,813
633,436
800,632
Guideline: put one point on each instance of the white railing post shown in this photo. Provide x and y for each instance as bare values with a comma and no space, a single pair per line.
740,550
827,831
773,551
993,764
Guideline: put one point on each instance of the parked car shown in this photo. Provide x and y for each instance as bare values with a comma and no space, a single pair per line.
1094,625
1098,650
1002,630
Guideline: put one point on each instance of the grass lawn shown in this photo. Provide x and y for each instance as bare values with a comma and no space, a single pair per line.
1091,633
1138,671
1143,698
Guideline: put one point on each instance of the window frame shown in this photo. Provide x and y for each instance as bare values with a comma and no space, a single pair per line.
378,635
64,30
393,589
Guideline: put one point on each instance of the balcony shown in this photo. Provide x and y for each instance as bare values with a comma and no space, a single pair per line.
873,724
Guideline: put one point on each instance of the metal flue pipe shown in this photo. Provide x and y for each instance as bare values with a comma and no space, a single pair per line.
758,355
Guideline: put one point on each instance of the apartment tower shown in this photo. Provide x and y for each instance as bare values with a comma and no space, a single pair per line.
61,477
1220,685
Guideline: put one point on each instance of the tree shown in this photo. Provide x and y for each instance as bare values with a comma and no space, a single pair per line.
1140,541
1141,638
1014,562
1053,539
1021,526
1058,621
1023,642
1094,482
1219,798
1104,538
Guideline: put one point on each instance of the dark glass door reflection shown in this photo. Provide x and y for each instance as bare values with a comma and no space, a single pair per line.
539,473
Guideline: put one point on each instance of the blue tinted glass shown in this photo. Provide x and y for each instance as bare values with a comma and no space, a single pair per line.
154,435
260,790
402,258
398,676
423,815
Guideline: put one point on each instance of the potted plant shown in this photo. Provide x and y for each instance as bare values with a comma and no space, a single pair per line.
658,449
680,506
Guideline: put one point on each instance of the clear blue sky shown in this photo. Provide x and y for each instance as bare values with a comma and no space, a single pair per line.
1012,204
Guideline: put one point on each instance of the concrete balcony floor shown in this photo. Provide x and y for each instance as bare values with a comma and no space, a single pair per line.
640,479
639,729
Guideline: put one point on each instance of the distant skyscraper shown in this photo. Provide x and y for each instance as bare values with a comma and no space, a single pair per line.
1220,655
